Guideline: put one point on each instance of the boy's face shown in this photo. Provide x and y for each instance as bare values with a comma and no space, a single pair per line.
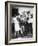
23,16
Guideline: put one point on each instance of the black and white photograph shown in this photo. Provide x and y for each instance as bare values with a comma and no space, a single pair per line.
20,22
